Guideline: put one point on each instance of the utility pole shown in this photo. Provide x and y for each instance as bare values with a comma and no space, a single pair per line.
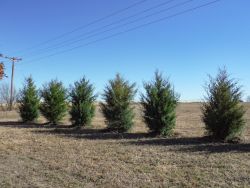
13,60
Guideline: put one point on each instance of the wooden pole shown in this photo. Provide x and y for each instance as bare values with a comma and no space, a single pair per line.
12,85
13,60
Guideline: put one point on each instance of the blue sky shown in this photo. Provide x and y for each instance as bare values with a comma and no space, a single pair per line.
185,48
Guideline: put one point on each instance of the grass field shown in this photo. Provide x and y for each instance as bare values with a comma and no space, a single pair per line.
39,156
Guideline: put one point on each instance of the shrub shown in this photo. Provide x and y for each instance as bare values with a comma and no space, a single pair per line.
82,99
159,104
54,105
28,101
222,111
118,96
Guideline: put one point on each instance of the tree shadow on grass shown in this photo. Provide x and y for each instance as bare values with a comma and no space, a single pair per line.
177,143
22,125
195,144
183,144
92,134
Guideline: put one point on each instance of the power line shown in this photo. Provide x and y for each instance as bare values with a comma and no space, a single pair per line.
87,25
105,26
116,27
131,29
119,26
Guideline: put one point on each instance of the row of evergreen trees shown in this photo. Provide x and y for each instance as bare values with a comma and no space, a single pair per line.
223,113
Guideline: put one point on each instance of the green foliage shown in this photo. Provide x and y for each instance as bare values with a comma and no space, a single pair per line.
159,104
54,104
82,99
222,112
118,96
28,101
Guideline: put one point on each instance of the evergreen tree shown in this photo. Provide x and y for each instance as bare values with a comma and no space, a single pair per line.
28,101
118,96
223,112
82,99
159,104
53,106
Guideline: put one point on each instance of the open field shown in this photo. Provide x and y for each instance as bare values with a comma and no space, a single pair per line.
39,156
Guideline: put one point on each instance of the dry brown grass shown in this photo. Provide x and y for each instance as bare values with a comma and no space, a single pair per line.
36,156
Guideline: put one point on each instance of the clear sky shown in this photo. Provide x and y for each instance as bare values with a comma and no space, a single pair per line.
186,47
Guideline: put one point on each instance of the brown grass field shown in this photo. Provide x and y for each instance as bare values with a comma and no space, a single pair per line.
41,156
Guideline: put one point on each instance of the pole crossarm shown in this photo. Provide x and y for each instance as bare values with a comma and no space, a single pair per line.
13,59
